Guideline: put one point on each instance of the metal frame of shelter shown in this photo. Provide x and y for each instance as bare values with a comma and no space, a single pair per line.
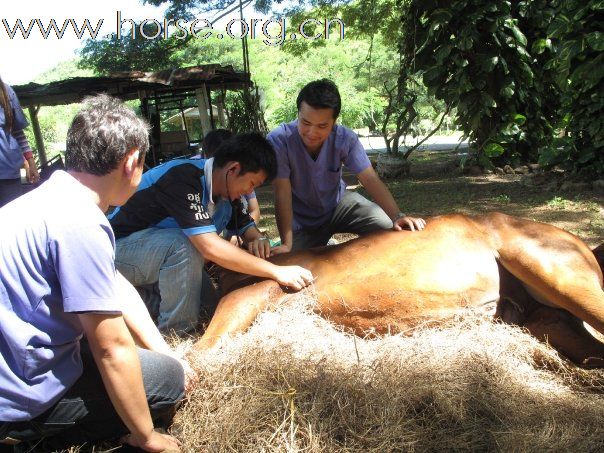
171,89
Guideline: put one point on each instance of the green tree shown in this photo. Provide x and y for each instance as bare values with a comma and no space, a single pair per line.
474,55
395,101
129,52
579,61
188,8
543,113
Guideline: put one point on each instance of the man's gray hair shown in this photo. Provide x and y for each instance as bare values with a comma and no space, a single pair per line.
102,133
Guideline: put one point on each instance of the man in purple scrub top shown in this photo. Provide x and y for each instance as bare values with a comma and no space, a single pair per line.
81,359
311,201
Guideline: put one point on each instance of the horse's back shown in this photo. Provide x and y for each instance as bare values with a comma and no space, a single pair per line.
390,279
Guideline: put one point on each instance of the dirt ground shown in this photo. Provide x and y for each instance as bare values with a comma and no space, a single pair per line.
437,186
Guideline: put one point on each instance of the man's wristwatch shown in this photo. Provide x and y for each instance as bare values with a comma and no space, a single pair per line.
400,215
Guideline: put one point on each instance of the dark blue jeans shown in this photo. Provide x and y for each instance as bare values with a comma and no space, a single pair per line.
85,413
9,190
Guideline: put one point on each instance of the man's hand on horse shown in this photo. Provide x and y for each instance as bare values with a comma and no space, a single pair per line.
260,247
293,277
283,248
409,223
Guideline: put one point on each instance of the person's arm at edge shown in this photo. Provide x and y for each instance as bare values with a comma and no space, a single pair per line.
225,254
137,318
257,244
283,214
143,329
384,199
20,123
32,171
115,355
253,208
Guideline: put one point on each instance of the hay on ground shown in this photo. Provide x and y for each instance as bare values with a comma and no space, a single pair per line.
293,382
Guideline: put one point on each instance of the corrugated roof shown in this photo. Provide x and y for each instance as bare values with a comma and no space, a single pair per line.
132,85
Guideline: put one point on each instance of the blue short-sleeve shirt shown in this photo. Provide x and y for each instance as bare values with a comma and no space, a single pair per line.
11,157
317,185
56,260
178,194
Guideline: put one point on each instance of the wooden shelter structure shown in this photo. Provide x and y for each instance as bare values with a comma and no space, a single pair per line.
202,87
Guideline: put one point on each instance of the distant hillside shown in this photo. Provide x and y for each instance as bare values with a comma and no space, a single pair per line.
63,70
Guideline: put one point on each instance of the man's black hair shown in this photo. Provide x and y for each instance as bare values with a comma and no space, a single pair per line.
102,133
251,150
212,141
321,94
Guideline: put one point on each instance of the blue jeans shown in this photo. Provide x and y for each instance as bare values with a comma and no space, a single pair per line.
85,413
168,272
353,214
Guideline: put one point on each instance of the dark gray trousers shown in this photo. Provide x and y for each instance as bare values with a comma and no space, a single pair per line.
85,413
353,214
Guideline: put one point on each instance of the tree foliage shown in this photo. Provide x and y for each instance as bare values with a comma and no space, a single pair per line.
129,52
280,75
188,8
473,55
577,27
516,72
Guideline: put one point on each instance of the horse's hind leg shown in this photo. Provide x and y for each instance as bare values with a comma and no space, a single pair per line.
556,267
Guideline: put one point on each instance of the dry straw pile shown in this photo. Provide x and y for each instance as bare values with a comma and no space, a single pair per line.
295,383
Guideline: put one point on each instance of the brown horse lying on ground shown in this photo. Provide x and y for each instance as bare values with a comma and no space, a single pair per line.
540,277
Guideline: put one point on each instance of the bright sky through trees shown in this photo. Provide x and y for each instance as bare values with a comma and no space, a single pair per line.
23,59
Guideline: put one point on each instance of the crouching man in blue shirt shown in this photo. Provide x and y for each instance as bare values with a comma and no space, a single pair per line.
171,226
58,285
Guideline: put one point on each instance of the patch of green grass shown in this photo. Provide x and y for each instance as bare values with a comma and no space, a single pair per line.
592,206
596,223
435,187
559,203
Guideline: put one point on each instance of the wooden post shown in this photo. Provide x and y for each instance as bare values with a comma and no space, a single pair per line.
212,122
203,104
35,124
221,115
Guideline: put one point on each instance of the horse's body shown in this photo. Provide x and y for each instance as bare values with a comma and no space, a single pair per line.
391,281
